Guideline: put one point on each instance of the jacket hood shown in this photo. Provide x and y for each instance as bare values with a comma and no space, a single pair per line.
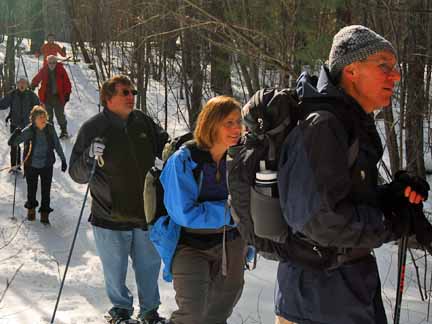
308,87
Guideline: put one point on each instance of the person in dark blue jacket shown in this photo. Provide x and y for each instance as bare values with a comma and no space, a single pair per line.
41,141
20,101
198,243
333,204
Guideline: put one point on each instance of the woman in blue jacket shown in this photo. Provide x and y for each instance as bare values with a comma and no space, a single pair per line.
201,249
40,141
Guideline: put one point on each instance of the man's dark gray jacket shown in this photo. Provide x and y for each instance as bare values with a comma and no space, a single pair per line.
117,187
20,104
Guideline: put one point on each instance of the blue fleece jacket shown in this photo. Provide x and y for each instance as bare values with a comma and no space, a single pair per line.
185,208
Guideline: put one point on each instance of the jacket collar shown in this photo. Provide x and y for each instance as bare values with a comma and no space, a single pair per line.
116,121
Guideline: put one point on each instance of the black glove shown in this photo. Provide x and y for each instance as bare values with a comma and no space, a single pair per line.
393,196
64,166
7,120
418,184
67,97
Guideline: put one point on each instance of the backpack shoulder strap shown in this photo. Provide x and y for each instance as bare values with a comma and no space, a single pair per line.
199,156
347,122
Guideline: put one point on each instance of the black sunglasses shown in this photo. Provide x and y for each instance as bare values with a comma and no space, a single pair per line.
127,92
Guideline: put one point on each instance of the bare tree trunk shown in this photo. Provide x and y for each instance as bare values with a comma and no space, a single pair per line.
165,89
76,34
220,58
391,139
247,78
416,96
191,54
9,67
37,33
196,78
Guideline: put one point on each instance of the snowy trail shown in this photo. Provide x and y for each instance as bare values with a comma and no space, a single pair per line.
43,250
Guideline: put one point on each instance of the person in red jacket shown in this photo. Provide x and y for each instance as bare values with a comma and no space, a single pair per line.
54,92
50,48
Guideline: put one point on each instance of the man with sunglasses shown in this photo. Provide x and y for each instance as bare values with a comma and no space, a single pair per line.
54,92
125,141
329,193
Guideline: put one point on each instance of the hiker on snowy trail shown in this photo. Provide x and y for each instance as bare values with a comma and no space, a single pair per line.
20,101
127,141
54,92
334,206
50,48
201,248
40,142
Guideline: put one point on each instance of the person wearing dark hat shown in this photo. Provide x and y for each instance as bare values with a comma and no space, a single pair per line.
328,187
20,101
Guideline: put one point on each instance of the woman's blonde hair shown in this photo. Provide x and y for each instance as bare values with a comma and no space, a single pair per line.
210,117
36,112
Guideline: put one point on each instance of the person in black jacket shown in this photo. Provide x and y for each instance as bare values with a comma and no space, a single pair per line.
41,141
336,205
20,101
128,141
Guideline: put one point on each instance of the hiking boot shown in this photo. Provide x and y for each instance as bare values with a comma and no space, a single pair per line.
31,214
152,317
44,218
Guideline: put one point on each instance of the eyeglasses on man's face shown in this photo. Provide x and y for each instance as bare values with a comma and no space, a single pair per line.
386,67
127,92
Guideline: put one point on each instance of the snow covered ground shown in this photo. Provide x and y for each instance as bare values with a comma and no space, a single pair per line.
40,252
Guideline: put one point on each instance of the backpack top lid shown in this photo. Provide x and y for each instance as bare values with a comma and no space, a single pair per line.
268,109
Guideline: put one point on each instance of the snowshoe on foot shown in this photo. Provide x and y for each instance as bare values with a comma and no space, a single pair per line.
121,321
120,316
152,317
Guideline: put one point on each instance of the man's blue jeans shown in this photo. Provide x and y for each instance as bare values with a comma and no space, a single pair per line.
114,249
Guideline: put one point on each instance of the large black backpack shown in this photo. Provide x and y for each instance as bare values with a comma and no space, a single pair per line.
270,115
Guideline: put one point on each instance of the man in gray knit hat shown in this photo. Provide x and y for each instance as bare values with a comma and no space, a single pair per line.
328,188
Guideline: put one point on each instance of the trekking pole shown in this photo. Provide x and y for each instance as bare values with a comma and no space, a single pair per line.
73,80
14,195
402,255
74,239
